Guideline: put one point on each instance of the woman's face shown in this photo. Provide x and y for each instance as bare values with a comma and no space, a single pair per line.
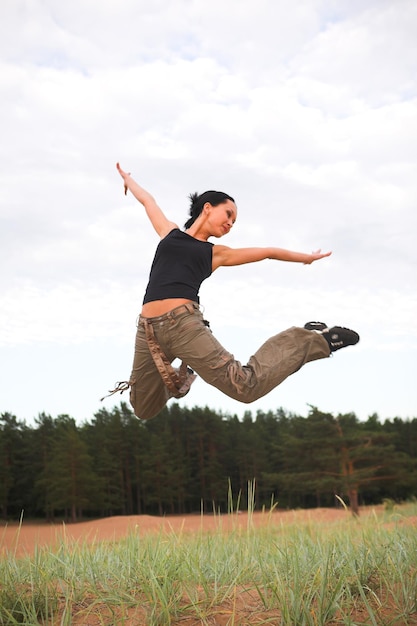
221,217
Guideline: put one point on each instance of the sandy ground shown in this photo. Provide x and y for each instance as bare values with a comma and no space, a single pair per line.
21,540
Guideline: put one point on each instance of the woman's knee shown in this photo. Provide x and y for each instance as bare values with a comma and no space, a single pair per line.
146,406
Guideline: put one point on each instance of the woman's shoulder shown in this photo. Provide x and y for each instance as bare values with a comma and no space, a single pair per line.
170,228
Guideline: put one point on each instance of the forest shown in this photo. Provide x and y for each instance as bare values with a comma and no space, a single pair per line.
192,460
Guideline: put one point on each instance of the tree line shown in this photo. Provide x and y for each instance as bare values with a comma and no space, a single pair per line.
189,460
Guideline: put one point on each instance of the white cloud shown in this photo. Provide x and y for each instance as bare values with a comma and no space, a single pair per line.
367,54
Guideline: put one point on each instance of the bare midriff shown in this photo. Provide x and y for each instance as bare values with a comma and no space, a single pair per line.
160,307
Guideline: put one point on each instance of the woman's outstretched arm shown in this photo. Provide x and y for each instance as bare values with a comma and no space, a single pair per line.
159,221
224,256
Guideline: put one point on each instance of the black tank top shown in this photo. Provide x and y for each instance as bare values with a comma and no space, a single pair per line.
180,265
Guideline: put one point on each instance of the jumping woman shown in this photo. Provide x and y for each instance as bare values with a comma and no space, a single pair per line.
171,324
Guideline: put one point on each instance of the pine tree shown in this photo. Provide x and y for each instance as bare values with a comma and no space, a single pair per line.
69,479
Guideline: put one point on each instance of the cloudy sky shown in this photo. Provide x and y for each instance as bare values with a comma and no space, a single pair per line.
305,112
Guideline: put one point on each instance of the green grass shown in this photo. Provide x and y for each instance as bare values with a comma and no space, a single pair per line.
359,571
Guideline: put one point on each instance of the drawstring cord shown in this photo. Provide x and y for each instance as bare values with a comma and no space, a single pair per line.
120,387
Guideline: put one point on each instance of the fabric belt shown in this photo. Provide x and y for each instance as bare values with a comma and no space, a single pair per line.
188,307
178,380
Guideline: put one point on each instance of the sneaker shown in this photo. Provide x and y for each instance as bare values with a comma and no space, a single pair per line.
339,337
317,326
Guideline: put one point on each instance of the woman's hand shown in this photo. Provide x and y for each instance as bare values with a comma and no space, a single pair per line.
316,256
124,175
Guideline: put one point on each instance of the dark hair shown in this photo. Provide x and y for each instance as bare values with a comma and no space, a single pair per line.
198,201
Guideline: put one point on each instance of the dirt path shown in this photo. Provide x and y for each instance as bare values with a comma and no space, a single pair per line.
25,538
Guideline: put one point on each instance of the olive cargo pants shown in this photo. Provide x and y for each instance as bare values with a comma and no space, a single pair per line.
183,334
